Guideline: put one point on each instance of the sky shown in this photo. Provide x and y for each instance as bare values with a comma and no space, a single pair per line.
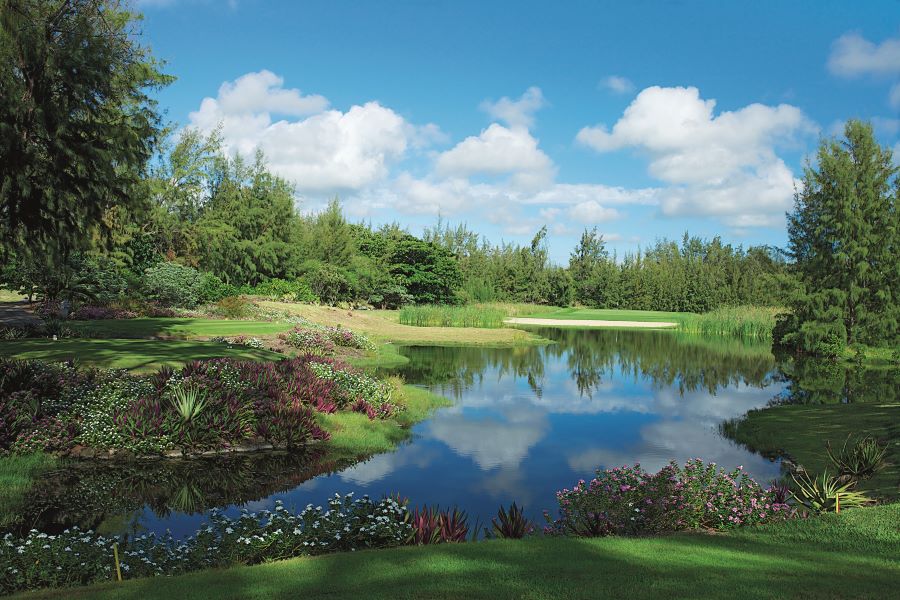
644,119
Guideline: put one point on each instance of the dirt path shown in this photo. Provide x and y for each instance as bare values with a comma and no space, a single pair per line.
590,323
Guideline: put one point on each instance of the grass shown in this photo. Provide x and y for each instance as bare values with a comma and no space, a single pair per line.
801,431
490,316
134,355
384,326
850,555
175,327
16,474
353,435
754,322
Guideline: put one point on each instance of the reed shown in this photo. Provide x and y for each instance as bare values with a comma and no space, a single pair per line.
487,316
749,322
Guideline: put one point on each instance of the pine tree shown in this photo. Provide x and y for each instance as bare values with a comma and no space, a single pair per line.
844,239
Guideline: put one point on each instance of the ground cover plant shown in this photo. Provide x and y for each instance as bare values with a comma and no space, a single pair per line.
205,405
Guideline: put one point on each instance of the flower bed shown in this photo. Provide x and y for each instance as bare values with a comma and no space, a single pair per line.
207,405
312,338
629,500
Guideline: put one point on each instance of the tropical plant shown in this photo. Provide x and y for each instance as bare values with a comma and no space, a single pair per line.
512,524
826,493
861,460
189,402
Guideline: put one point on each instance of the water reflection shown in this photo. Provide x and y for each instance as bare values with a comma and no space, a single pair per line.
524,423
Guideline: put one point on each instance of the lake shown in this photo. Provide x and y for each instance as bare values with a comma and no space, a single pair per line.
525,422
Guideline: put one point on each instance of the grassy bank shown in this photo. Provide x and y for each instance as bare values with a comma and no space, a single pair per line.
132,354
801,431
851,555
384,326
16,475
354,435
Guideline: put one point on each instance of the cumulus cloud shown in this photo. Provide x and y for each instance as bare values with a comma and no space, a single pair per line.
591,211
516,113
894,96
722,165
327,151
853,55
499,150
617,84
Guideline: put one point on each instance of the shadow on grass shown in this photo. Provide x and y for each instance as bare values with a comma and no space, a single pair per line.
175,327
131,354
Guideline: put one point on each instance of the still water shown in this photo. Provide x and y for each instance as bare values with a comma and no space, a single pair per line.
524,423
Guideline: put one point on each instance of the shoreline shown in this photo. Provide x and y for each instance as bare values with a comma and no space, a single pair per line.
590,323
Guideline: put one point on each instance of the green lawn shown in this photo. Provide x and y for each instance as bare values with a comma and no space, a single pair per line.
603,314
176,327
852,555
800,431
135,355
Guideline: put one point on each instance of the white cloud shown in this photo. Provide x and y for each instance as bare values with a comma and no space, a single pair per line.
894,96
328,151
591,211
721,165
853,55
499,150
516,113
617,84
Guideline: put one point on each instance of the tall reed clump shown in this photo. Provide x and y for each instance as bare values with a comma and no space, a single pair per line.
489,316
749,322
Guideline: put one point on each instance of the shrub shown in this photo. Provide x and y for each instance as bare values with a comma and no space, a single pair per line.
90,313
433,526
352,386
212,289
279,289
861,460
629,500
826,493
172,284
308,341
512,524
233,307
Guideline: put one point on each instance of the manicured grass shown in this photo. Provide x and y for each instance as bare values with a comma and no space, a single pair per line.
855,554
604,314
16,475
134,355
176,327
801,431
384,326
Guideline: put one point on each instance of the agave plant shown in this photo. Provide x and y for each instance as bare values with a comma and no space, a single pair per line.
826,493
862,459
512,524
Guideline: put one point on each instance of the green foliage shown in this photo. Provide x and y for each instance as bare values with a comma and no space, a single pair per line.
512,524
172,284
826,493
428,272
329,283
279,289
78,123
233,307
213,289
749,322
472,315
845,239
861,460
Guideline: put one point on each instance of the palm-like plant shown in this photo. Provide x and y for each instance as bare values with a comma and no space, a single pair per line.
826,493
189,402
512,524
862,459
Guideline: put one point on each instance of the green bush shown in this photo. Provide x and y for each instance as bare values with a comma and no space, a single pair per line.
212,289
233,307
172,284
280,289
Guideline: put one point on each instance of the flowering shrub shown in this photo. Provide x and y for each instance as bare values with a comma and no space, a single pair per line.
629,500
50,434
308,341
77,557
241,340
307,333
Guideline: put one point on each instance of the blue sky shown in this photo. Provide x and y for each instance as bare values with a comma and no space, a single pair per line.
645,119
